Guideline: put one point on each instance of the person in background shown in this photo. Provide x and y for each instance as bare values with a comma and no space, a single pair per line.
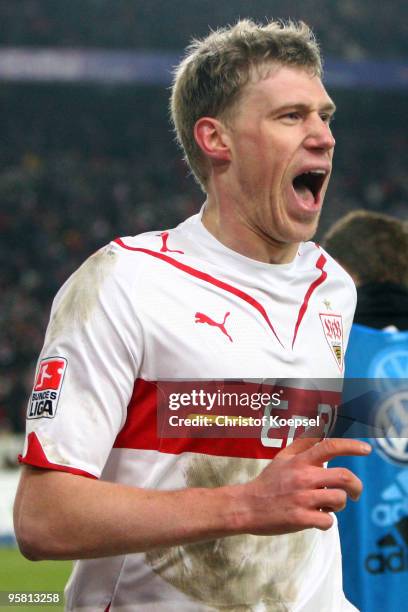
373,248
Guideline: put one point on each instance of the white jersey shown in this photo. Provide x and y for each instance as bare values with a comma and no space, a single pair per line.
179,305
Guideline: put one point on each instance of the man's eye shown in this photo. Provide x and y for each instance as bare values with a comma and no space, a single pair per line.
327,118
291,116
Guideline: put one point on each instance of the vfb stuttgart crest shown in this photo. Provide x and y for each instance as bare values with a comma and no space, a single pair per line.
333,331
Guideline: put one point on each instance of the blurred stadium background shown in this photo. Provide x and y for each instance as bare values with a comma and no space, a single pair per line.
87,154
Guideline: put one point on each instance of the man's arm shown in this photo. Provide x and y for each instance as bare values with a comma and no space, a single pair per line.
63,516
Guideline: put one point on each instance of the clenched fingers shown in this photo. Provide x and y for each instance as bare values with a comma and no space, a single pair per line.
341,478
329,500
331,478
306,519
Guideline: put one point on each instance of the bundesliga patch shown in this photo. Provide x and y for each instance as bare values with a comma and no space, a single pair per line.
333,331
47,388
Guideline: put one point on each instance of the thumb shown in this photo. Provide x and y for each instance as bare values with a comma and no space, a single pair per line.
309,438
298,446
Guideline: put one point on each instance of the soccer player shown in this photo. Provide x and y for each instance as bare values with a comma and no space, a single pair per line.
373,248
234,292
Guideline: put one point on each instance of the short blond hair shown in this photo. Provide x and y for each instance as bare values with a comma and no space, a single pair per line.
214,71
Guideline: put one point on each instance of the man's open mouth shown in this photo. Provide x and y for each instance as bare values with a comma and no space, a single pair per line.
308,185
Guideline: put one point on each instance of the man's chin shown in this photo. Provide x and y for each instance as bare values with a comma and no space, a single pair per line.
306,228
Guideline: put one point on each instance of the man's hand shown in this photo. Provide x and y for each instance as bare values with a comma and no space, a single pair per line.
65,516
296,492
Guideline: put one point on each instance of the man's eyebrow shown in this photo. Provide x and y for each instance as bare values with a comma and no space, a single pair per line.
328,107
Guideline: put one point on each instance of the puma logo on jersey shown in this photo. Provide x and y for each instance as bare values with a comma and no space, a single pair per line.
164,248
203,318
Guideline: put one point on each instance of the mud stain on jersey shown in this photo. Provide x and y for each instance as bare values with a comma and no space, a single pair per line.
234,573
81,297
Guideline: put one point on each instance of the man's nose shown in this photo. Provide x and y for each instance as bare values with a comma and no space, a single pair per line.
319,135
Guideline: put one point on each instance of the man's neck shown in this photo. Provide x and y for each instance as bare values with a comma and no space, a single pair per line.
237,234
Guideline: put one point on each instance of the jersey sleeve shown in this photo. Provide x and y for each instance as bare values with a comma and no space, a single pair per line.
86,371
351,308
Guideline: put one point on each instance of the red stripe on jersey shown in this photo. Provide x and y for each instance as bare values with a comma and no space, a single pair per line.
107,607
207,278
140,432
323,275
35,456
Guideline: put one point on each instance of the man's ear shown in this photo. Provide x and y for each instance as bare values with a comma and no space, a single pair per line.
212,138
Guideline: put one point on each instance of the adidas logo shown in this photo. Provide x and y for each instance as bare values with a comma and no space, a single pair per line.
392,555
395,506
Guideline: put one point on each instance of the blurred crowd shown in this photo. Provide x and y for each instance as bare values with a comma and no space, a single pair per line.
351,29
82,165
54,213
68,185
